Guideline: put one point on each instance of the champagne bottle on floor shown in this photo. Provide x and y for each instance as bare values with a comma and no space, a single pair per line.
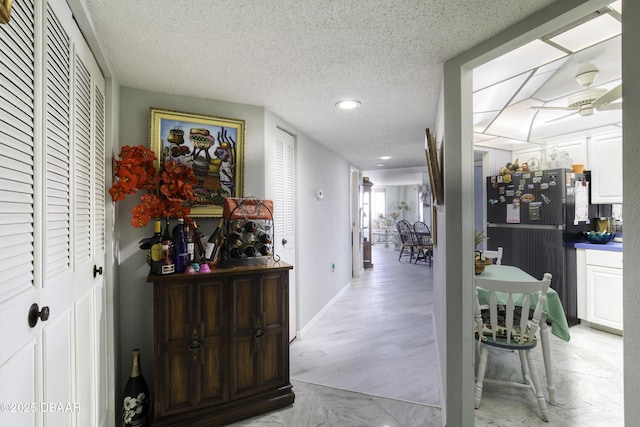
135,397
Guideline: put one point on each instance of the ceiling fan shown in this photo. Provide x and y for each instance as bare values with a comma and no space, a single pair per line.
587,101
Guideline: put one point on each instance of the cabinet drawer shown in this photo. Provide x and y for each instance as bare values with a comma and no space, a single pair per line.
604,258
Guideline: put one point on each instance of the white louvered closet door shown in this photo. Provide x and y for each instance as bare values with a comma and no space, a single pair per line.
284,216
51,220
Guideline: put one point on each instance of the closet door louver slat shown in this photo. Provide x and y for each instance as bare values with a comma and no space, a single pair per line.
58,183
16,144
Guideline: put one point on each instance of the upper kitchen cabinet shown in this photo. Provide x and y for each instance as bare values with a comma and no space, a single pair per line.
605,162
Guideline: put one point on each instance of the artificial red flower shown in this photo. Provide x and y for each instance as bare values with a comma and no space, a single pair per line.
170,193
116,193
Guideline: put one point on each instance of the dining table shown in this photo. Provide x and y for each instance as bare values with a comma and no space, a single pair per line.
386,234
552,312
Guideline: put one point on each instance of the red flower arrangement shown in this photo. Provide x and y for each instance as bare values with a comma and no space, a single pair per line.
167,193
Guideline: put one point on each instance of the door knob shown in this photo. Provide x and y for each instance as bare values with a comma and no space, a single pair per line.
284,242
97,270
35,314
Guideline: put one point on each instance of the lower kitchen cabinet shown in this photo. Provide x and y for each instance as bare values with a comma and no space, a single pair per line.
600,287
221,345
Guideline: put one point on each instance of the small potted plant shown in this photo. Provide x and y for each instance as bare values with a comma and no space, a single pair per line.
480,261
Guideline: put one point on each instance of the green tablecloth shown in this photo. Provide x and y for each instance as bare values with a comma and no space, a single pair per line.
552,306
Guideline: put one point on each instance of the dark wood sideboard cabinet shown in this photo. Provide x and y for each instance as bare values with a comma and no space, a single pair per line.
221,345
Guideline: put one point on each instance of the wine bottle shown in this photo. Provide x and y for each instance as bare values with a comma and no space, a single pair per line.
167,266
156,248
235,252
179,246
197,239
135,397
250,251
168,237
235,225
217,254
234,239
250,227
213,242
263,249
190,244
263,237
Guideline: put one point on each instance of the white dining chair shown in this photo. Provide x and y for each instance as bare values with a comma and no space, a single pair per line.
495,255
510,323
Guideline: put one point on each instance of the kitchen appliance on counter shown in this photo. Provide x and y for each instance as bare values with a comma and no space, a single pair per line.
536,217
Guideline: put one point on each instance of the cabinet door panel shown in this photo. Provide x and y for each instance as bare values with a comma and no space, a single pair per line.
604,293
175,313
605,156
211,364
271,368
244,324
274,292
192,346
175,396
172,375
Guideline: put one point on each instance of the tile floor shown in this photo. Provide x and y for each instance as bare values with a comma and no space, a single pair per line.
370,361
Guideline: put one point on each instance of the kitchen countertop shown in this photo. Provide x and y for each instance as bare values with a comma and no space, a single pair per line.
611,246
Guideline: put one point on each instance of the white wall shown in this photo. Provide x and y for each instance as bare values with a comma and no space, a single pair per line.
631,151
323,226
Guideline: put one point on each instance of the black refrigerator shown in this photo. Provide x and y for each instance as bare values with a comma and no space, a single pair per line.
535,216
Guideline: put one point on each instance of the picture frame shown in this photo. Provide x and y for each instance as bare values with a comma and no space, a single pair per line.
213,147
433,166
5,11
434,225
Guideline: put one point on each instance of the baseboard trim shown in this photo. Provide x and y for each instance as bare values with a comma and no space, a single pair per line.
321,313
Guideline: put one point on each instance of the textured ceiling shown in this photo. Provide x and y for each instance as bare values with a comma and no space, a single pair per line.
298,58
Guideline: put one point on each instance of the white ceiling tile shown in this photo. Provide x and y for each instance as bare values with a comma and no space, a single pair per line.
527,57
590,33
497,96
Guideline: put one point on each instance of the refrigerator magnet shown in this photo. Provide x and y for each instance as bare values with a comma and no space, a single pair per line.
534,211
544,185
527,198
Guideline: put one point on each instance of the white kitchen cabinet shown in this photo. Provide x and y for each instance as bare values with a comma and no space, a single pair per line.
600,287
605,162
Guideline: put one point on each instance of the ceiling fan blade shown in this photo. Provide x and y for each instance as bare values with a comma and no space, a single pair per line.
607,107
609,97
562,117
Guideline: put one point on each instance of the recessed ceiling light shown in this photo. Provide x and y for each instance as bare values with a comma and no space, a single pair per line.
385,157
380,164
348,104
